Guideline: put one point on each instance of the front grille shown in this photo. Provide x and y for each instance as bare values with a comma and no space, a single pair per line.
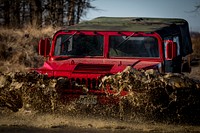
76,83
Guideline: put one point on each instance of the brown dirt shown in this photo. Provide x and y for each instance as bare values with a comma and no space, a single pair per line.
23,122
195,73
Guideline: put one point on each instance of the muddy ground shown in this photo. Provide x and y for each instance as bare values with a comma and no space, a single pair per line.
24,122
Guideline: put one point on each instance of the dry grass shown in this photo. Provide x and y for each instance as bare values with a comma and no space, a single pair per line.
196,46
18,47
195,73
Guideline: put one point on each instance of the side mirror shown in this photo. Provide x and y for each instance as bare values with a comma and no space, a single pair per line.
171,50
44,47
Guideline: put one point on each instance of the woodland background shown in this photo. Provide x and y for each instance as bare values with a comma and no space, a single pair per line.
17,13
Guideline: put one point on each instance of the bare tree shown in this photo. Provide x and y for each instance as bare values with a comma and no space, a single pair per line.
6,10
71,10
16,13
80,6
39,12
36,12
59,12
12,13
77,9
197,7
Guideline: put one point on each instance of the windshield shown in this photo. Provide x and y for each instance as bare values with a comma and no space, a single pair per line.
79,45
122,46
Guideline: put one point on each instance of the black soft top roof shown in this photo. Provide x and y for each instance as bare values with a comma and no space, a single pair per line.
127,24
163,26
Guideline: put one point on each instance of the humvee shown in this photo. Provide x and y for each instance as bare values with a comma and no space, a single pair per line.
87,51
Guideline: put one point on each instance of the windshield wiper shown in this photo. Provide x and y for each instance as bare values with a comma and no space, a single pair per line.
69,37
125,40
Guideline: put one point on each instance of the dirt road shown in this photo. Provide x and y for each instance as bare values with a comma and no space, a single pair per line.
25,129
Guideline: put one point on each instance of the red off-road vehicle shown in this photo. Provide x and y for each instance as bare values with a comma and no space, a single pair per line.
107,45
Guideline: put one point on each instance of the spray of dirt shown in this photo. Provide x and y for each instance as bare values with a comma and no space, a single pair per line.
152,97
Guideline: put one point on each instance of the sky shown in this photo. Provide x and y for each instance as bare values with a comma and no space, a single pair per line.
148,8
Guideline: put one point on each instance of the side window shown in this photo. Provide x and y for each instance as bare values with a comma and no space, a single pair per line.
57,48
176,39
63,44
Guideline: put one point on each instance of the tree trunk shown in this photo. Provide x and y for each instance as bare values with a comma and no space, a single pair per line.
23,12
36,12
59,13
7,13
79,10
71,10
53,12
15,13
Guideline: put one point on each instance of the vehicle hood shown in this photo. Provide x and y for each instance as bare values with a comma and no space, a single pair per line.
92,66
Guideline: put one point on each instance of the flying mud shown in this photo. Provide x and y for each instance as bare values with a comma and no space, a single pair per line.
171,98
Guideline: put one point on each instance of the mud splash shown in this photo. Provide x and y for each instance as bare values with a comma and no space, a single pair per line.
169,98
